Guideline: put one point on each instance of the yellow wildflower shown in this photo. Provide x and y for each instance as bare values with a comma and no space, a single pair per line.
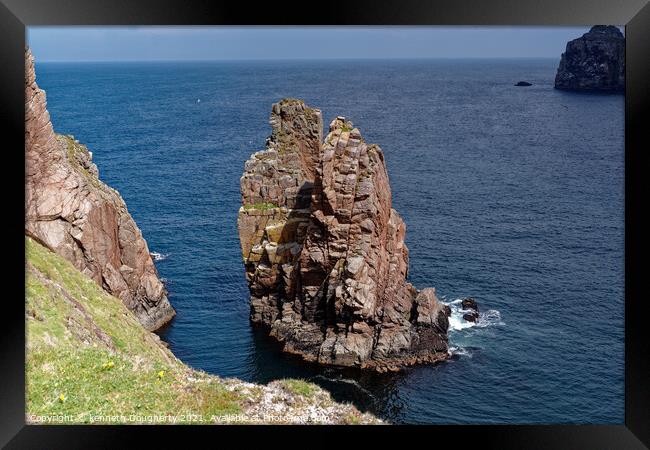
108,365
161,374
61,398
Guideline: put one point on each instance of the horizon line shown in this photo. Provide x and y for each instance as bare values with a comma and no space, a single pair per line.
426,58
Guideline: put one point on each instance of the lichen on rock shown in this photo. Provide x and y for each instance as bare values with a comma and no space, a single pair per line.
327,267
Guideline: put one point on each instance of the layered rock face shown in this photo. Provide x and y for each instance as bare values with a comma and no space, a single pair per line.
594,62
69,210
324,251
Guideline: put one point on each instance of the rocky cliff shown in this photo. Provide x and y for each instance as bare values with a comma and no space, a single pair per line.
594,62
72,212
324,251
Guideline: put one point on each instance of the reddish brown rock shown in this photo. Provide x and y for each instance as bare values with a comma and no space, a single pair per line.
72,212
327,273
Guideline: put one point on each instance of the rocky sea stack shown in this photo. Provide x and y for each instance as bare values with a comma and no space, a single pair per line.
91,289
324,251
70,211
594,62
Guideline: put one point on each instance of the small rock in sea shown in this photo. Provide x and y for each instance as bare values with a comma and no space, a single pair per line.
470,305
524,83
471,316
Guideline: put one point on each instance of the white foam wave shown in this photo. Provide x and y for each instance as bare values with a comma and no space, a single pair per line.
459,351
355,383
456,322
158,256
488,318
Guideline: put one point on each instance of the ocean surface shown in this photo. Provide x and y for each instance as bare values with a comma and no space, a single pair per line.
512,195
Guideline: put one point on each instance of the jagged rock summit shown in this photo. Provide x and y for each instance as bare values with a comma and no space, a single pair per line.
594,62
324,251
69,210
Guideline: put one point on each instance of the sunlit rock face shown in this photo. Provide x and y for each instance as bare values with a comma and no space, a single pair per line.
70,211
324,250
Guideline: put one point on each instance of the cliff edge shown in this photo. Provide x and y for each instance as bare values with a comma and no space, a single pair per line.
90,361
594,62
324,250
69,210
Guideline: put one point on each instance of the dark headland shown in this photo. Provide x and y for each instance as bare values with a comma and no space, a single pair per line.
594,62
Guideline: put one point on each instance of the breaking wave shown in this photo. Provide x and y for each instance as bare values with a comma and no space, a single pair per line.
158,256
485,319
460,351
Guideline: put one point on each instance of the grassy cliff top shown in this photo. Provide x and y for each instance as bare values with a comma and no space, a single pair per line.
90,361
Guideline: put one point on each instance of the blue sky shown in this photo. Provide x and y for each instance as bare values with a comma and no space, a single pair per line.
240,43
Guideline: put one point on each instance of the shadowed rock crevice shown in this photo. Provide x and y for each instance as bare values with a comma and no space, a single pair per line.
72,212
324,250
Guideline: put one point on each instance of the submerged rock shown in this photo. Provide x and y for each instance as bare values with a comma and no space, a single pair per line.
72,212
523,83
594,62
324,250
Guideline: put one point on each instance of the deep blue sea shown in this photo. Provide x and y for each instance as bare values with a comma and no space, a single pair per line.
512,195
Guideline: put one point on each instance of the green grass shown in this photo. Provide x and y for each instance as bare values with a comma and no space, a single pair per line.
353,419
299,387
262,206
75,330
73,149
90,361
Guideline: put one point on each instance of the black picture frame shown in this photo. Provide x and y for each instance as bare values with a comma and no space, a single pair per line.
16,15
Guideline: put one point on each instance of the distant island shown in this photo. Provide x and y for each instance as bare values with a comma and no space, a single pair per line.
594,62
